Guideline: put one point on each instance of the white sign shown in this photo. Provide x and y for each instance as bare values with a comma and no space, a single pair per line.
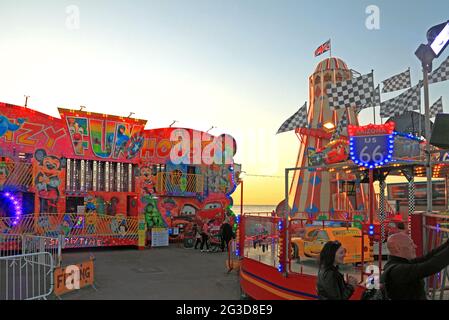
159,237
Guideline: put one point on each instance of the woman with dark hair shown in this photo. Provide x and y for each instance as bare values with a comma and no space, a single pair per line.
331,284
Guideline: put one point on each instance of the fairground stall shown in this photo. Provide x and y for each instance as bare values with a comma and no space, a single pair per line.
337,191
103,180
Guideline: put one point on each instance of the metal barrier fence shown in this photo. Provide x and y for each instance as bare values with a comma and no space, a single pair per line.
436,233
261,239
262,242
79,230
16,244
10,244
26,276
35,244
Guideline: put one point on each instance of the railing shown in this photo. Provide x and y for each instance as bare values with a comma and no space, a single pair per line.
436,233
15,174
10,244
261,239
78,230
16,244
26,276
174,183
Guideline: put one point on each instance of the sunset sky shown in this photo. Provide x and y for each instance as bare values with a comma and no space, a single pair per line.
239,65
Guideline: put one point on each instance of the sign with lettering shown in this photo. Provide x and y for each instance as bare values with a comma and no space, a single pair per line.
73,277
371,145
159,237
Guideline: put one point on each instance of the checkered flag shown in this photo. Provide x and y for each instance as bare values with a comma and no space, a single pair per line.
397,82
406,101
440,74
298,120
343,123
351,93
436,108
370,104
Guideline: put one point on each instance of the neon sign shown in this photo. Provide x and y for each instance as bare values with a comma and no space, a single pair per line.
371,145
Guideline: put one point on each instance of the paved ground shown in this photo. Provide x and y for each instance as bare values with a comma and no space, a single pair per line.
159,273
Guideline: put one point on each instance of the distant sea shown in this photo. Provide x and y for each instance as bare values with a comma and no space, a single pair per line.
253,208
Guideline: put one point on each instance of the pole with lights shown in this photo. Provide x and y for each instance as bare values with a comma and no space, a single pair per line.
438,39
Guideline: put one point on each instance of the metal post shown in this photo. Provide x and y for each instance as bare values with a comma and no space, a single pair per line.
382,208
428,156
241,197
371,196
287,224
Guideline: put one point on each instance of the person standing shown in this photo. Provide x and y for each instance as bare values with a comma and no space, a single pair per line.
205,236
226,234
331,284
405,277
197,235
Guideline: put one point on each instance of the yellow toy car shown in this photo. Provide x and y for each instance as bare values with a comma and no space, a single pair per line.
315,238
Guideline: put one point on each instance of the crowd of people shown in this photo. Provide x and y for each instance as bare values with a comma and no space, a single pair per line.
203,235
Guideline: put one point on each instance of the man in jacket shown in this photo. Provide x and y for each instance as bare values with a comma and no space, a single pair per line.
226,234
405,277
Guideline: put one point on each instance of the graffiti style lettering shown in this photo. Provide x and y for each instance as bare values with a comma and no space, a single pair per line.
149,146
102,137
53,136
28,137
163,148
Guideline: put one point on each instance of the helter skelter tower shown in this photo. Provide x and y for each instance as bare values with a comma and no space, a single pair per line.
314,192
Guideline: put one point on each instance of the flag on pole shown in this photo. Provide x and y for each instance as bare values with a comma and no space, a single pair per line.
376,99
440,74
406,101
298,120
343,123
397,82
323,48
355,92
436,108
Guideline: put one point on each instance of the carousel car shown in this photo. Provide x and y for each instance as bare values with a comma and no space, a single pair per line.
310,245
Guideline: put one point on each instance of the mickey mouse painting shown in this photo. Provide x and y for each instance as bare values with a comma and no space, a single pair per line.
48,180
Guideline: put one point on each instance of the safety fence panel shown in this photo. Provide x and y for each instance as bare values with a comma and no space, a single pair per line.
78,230
436,231
261,239
10,244
35,244
26,276
307,238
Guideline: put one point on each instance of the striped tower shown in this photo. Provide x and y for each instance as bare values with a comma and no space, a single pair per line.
311,192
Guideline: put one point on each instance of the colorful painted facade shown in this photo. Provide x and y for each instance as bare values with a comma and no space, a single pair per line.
96,164
316,192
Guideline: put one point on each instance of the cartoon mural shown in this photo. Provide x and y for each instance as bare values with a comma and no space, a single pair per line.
49,180
6,125
4,173
86,168
153,217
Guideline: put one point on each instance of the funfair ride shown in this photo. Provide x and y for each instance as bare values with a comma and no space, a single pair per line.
334,186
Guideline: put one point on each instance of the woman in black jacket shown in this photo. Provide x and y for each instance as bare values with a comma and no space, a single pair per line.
331,284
